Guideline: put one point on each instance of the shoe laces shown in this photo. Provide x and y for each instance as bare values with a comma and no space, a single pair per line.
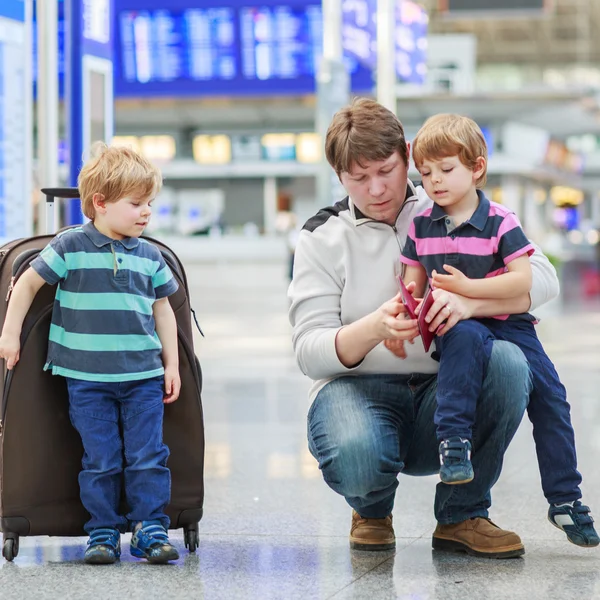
103,537
455,451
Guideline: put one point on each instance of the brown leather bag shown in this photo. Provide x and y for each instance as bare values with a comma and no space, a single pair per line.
40,451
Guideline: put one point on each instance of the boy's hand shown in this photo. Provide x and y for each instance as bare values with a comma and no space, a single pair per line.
10,347
457,282
172,384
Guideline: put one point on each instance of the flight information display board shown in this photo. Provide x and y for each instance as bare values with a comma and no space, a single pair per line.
15,200
233,48
359,37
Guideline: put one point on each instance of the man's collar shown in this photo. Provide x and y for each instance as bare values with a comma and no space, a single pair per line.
100,239
478,218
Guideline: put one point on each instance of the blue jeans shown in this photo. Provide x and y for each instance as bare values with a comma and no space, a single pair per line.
365,430
120,424
464,355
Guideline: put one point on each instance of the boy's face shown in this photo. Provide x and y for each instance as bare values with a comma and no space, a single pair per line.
127,217
378,188
447,181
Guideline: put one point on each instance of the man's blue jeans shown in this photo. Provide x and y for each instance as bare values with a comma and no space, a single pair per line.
365,430
121,426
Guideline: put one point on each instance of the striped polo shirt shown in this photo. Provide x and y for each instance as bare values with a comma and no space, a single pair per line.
102,322
480,247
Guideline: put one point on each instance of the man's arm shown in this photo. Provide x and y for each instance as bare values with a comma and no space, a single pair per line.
324,347
544,281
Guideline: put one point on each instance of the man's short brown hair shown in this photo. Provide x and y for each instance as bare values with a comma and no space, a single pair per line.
362,132
450,135
116,172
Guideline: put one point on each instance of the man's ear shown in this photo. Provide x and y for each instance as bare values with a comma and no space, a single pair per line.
99,202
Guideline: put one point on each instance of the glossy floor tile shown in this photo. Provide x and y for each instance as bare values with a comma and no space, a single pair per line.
273,529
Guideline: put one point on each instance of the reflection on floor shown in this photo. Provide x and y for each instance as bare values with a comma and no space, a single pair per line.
272,528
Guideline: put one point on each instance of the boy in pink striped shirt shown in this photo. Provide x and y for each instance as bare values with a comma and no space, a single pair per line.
470,246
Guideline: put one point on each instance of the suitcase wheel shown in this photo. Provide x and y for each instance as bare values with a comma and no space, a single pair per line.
10,547
190,537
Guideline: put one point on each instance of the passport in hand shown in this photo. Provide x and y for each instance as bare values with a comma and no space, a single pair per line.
411,305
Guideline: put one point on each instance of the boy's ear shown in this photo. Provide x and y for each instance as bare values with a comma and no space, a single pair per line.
479,169
99,202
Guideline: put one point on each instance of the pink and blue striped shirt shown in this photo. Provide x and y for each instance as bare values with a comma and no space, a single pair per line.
480,247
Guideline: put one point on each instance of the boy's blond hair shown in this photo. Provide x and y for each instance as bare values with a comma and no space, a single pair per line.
451,135
116,172
364,131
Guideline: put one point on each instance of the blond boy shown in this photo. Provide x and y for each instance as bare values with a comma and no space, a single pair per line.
113,337
470,246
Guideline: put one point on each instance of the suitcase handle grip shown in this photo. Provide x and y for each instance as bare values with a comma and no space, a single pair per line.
52,193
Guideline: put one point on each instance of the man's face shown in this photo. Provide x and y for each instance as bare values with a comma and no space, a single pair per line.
378,188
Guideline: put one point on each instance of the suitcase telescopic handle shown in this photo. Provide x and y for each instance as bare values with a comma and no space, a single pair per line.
51,194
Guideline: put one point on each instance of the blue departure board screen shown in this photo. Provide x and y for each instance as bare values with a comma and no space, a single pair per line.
234,49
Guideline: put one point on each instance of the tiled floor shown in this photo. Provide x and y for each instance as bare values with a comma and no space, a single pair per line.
273,529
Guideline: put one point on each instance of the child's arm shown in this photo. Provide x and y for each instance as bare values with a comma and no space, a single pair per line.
166,329
21,298
417,274
501,287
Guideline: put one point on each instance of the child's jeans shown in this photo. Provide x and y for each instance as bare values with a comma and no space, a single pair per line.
120,424
464,355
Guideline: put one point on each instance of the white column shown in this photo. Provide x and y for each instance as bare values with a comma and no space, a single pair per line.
270,205
532,220
595,213
28,166
47,102
511,194
332,30
386,69
333,86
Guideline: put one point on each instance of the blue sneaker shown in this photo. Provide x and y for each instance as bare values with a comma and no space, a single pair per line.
455,461
150,541
103,547
576,521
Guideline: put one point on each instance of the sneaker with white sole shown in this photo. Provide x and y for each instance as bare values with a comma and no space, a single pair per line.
576,520
455,461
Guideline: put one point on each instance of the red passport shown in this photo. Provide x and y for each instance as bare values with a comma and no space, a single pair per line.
411,305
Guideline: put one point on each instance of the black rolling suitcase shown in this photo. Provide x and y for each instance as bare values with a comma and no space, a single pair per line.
40,451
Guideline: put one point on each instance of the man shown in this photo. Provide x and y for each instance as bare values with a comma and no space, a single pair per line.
372,409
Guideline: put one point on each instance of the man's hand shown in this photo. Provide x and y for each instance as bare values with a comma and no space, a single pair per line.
456,282
172,384
397,347
10,348
390,322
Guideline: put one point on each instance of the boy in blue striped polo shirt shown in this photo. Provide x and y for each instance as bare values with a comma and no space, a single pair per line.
475,248
113,337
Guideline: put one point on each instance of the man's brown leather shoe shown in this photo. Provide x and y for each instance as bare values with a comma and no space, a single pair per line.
372,534
478,537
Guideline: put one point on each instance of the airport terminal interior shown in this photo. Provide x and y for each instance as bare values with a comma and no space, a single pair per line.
231,100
